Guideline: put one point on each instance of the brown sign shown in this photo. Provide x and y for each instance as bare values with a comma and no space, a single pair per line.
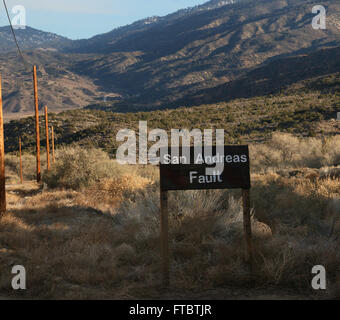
187,169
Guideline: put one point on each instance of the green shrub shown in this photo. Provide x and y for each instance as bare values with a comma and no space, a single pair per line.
76,168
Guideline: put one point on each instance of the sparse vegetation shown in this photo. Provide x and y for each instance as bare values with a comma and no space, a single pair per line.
244,120
77,168
284,150
91,228
102,240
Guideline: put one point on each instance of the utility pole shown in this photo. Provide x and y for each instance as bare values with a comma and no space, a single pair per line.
47,140
37,122
2,160
53,157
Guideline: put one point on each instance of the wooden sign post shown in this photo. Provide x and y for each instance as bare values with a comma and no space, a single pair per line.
47,140
21,175
247,225
179,173
2,159
35,82
165,237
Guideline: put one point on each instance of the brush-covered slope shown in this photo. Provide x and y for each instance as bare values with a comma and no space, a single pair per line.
307,108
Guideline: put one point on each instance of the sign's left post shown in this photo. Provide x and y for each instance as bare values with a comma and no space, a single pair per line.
165,238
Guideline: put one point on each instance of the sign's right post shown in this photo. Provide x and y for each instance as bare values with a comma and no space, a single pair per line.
247,226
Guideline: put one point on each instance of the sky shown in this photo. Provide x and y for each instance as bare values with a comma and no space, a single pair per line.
78,19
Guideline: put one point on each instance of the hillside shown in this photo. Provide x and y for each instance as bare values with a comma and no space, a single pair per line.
305,71
163,61
105,43
307,108
57,86
207,49
30,38
300,71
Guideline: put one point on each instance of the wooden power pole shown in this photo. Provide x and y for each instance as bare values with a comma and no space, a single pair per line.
2,160
21,175
37,122
53,157
47,140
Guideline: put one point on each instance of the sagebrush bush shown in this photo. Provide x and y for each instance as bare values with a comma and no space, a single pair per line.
287,151
76,168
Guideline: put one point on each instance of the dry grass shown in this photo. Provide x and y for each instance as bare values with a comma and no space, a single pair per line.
287,151
101,240
28,165
109,193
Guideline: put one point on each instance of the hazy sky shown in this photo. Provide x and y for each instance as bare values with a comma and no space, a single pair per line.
84,18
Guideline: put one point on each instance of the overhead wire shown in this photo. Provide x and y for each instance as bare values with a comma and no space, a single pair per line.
26,64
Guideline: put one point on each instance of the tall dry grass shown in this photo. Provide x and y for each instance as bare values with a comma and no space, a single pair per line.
97,234
12,163
287,151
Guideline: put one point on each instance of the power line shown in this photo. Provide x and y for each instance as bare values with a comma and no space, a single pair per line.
26,64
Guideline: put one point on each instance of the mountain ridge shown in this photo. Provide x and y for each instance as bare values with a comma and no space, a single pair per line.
165,63
54,40
29,38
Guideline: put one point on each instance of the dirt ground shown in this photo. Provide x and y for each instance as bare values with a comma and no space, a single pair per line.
39,222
